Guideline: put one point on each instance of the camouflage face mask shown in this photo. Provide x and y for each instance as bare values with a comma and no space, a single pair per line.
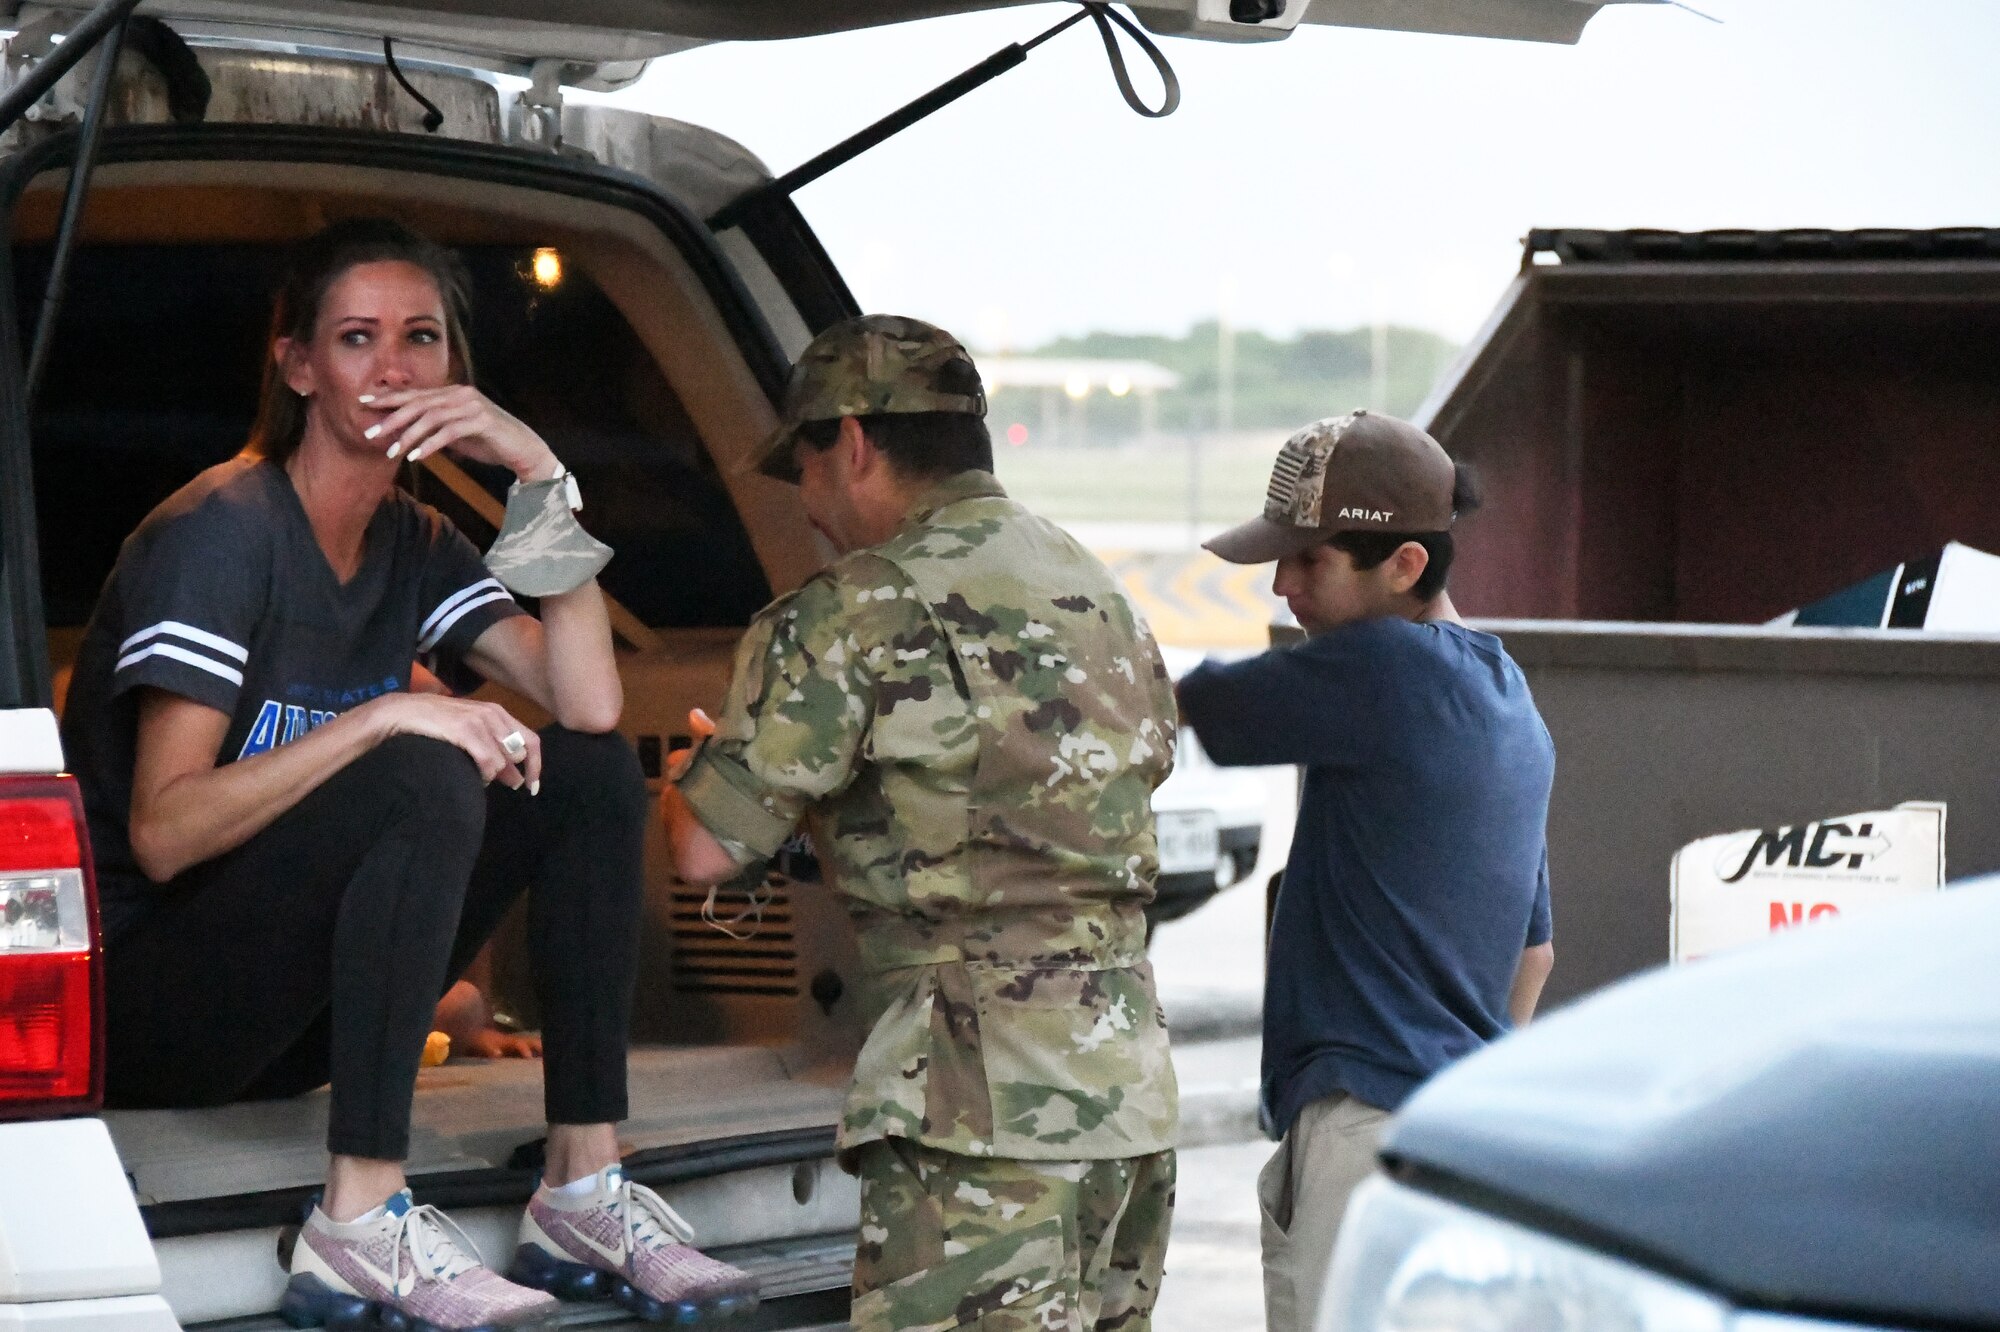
542,551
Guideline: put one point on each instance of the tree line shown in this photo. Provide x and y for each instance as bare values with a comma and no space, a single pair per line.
1277,382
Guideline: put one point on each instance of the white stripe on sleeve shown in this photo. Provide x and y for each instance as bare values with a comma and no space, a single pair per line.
436,635
195,659
199,637
446,606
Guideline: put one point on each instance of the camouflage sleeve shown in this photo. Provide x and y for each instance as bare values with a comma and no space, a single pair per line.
798,710
1166,706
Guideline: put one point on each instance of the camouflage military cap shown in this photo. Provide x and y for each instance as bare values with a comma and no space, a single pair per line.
1355,473
871,366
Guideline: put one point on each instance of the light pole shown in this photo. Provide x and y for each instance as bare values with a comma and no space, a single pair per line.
1378,352
1077,389
1225,401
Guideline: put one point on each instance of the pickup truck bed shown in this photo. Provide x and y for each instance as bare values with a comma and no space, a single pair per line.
1718,427
1682,436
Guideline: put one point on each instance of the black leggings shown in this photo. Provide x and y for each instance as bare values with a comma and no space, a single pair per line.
316,952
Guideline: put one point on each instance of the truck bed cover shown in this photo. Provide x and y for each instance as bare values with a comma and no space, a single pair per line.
1798,244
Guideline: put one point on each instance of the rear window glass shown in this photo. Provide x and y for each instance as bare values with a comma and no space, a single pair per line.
154,373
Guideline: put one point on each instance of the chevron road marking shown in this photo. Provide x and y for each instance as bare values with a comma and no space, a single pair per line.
1193,599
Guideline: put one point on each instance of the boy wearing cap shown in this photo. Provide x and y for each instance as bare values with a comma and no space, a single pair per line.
974,719
1413,922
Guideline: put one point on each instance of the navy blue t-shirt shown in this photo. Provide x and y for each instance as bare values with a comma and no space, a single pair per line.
1419,867
222,595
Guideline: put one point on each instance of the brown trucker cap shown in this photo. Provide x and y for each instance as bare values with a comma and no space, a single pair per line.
1355,473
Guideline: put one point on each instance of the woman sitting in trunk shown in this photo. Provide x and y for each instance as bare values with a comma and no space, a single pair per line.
297,854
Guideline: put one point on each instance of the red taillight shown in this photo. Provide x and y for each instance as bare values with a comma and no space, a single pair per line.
38,832
45,1027
51,985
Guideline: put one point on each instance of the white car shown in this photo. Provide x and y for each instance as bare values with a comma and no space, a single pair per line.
1210,820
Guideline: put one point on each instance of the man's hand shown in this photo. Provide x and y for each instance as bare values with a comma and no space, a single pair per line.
701,726
699,858
465,1016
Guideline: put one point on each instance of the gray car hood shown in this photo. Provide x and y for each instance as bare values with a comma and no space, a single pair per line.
1808,1124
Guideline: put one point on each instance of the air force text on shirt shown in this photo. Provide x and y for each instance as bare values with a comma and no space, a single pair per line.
281,723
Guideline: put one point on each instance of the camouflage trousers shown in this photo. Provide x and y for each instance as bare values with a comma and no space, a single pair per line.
951,1241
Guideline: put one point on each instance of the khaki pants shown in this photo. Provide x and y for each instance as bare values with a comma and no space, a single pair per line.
1301,1196
1008,1246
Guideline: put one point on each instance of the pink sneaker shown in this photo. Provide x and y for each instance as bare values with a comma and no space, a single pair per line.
402,1271
622,1241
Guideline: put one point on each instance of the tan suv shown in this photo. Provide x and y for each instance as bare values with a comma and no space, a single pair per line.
645,332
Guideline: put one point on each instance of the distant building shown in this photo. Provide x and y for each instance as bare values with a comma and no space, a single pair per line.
1065,385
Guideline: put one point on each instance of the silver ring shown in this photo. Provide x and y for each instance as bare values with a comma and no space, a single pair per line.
515,744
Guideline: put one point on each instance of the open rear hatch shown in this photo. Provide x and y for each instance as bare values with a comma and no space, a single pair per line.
622,34
607,315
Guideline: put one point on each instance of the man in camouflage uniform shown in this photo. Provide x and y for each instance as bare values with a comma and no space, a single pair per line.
974,719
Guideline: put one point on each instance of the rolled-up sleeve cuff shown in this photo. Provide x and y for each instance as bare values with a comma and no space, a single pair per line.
202,677
735,806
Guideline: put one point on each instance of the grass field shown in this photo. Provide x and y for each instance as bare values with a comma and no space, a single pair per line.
1137,484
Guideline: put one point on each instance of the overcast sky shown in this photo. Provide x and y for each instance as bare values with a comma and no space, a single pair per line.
1343,175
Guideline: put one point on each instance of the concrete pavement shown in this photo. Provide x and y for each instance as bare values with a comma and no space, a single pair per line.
1218,1091
1210,970
1215,1273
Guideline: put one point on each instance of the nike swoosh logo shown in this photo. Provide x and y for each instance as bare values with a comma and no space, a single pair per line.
616,1257
373,1273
